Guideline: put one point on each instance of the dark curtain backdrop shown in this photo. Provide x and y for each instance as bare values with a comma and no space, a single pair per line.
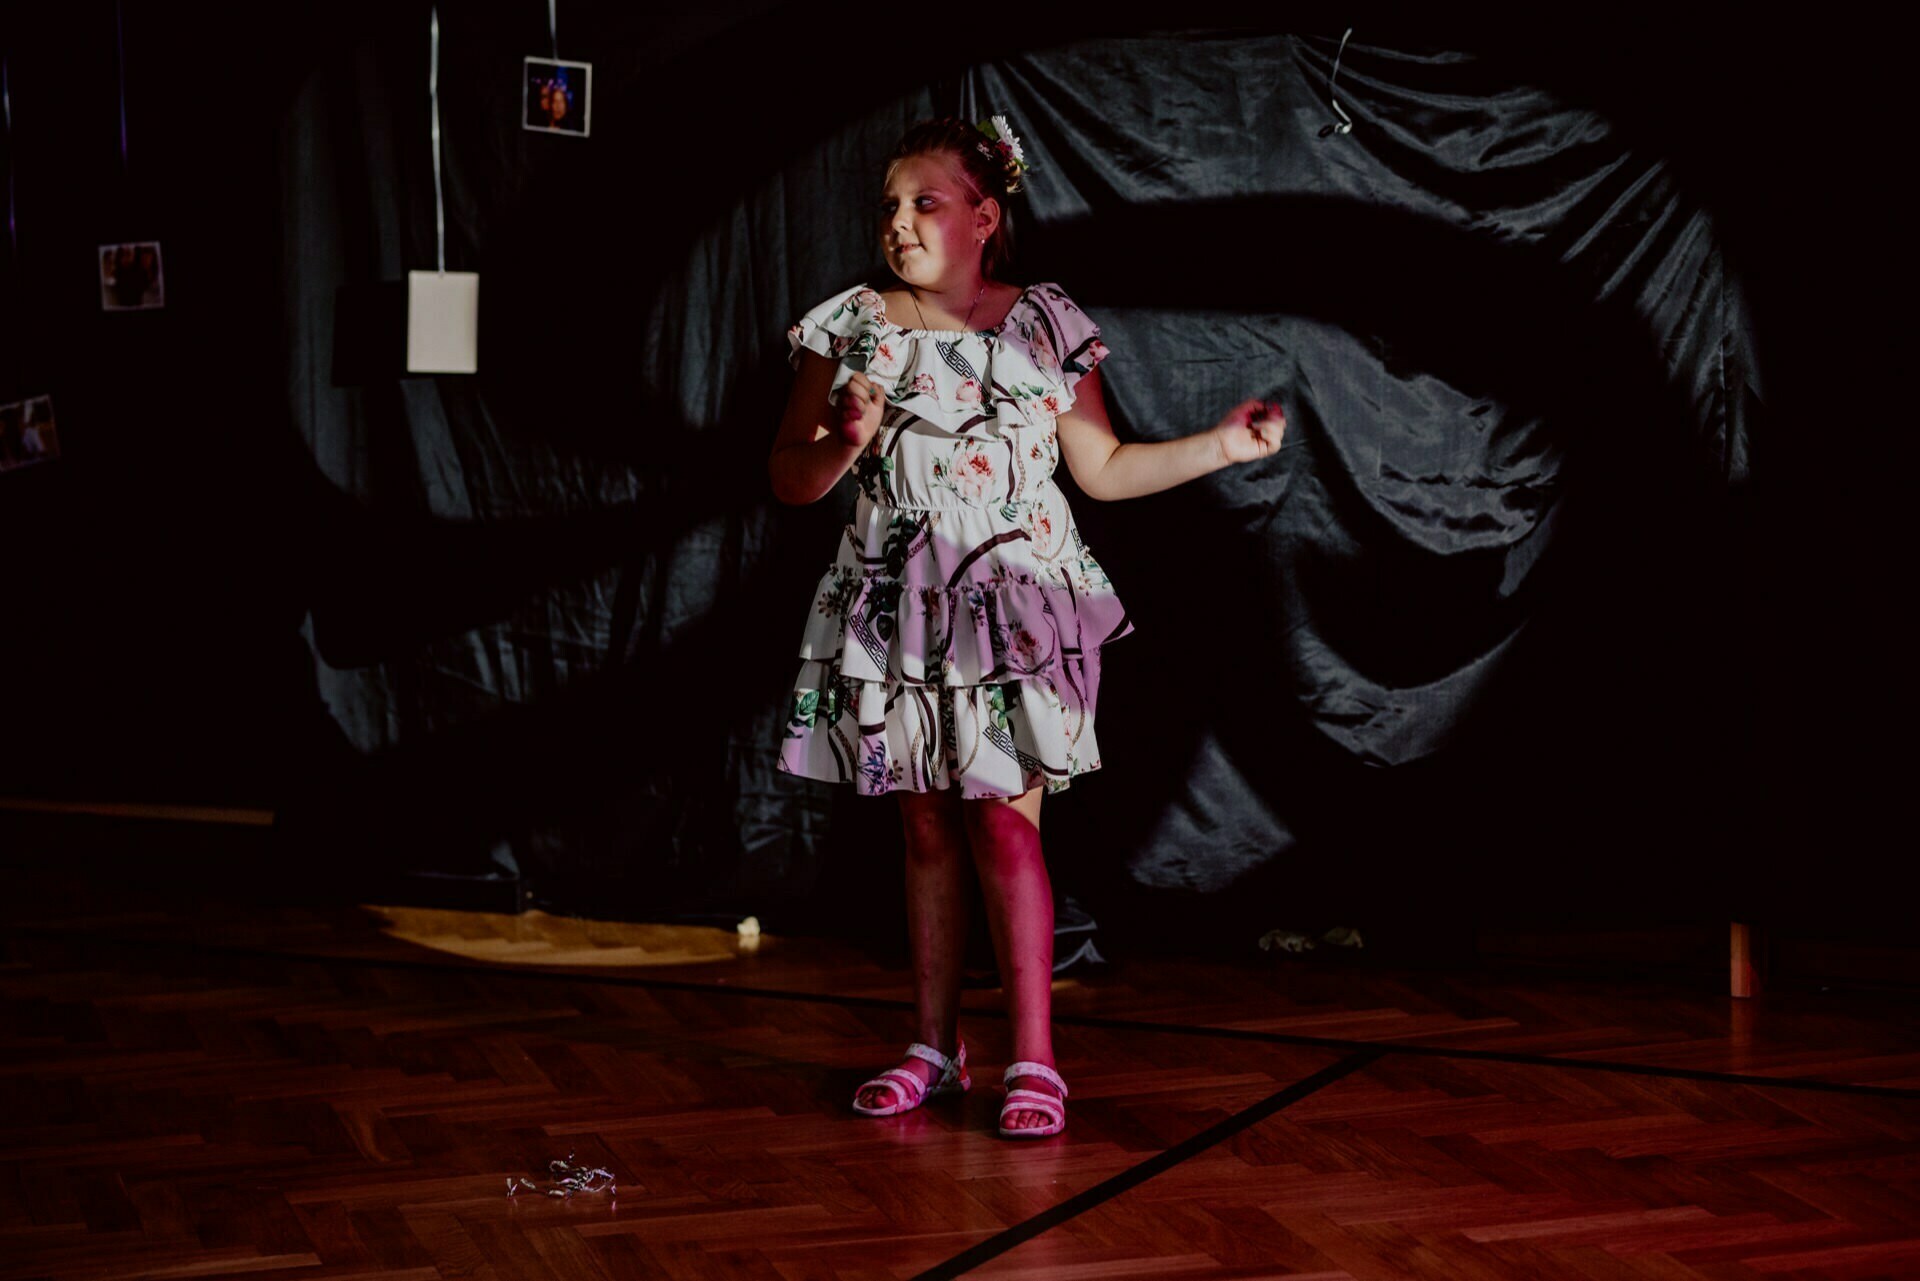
1481,615
1501,624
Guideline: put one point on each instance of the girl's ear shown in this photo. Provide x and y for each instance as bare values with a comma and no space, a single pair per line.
986,218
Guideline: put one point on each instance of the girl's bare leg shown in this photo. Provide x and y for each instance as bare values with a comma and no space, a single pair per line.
937,866
1005,838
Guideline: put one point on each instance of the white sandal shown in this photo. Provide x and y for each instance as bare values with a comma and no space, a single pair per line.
909,1090
1034,1101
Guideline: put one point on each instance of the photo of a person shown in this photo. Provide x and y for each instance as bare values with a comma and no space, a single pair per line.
26,433
38,440
556,97
130,277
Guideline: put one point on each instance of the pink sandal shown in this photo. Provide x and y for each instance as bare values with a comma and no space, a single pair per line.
1034,1101
909,1089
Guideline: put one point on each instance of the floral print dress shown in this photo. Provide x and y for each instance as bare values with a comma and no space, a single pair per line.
955,640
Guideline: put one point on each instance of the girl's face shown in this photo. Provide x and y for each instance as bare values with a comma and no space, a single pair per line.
929,226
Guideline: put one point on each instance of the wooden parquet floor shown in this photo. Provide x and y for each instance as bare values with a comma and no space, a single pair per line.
219,1091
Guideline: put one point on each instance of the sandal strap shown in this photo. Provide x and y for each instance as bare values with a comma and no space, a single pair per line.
949,1068
1033,1101
902,1082
1040,1070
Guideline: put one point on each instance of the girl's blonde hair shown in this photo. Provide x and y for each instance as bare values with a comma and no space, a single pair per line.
979,166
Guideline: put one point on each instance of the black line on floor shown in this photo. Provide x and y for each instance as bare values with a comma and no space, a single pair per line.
1068,1020
1498,1056
1020,1233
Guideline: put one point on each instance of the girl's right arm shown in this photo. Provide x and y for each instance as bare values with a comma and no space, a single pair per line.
819,440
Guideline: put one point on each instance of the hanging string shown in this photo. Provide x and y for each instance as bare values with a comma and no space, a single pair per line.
6,114
433,92
1346,121
553,27
120,65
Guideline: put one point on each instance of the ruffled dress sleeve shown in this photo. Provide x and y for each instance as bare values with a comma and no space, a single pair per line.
841,328
1062,341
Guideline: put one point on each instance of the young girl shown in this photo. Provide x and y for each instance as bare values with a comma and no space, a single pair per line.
953,655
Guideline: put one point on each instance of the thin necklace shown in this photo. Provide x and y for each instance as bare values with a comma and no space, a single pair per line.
923,316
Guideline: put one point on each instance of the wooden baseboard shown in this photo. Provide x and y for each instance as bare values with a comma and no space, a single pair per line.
224,814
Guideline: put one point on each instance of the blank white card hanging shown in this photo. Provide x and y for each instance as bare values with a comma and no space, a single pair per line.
443,307
443,322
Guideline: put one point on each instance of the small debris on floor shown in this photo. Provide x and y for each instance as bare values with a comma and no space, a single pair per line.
568,1179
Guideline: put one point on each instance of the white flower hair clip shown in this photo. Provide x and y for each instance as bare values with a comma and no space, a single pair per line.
1004,149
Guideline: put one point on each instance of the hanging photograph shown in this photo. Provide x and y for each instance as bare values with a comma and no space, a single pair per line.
556,97
130,278
26,433
39,441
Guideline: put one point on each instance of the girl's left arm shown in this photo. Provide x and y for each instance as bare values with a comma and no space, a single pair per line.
1108,470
